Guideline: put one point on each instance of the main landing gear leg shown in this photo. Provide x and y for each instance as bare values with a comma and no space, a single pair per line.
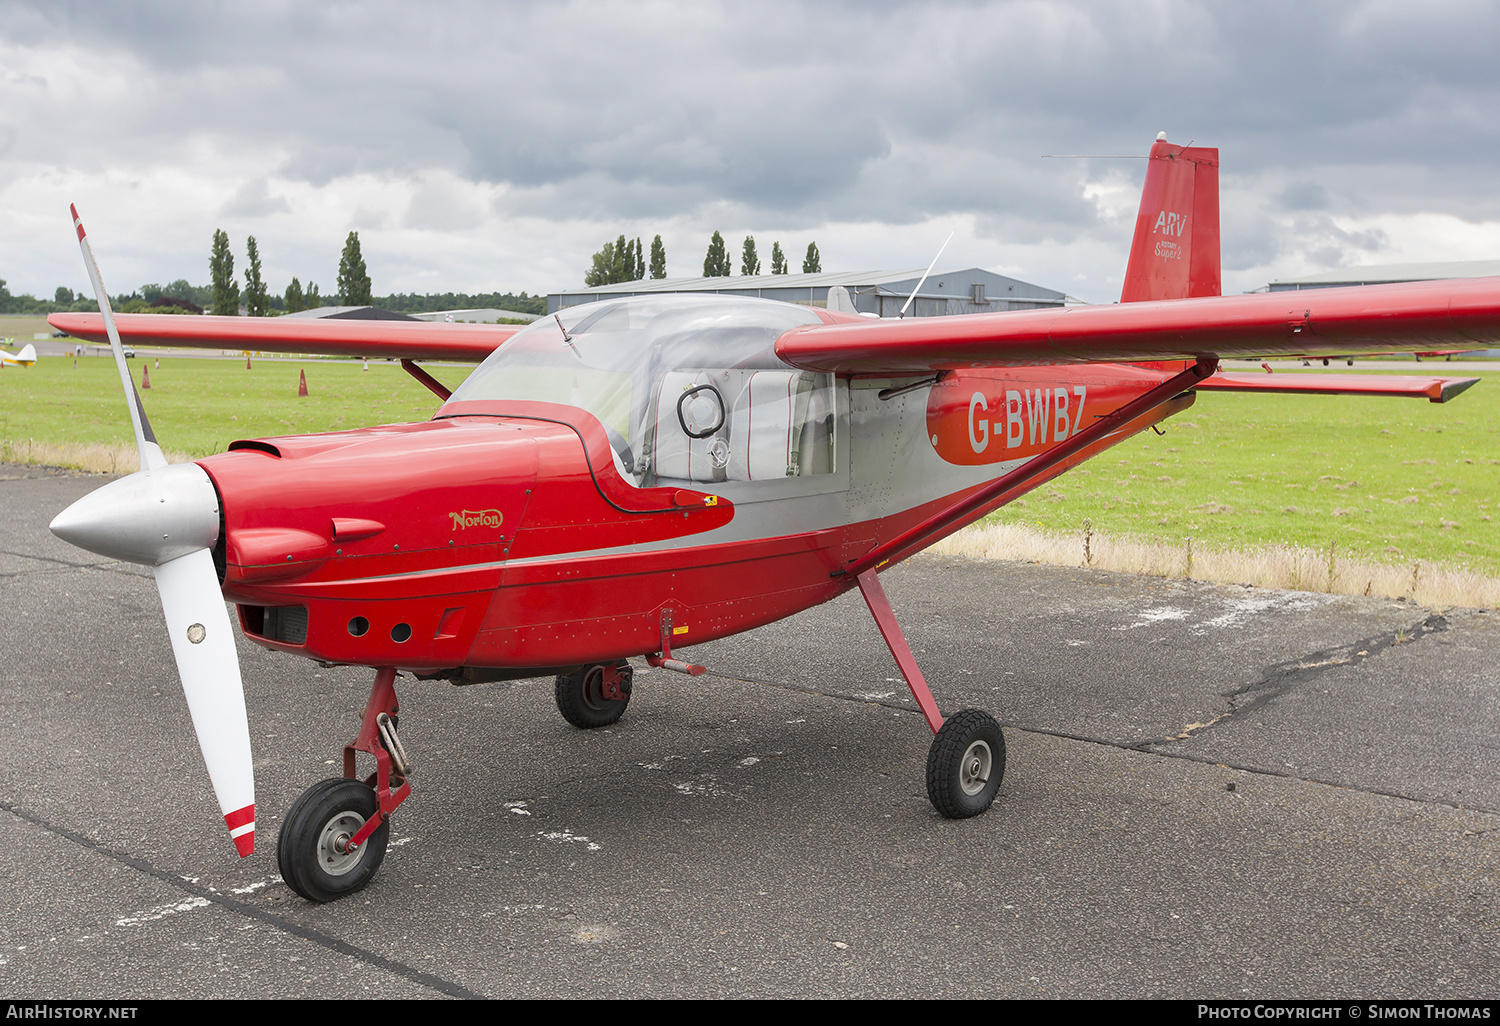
594,696
335,834
967,759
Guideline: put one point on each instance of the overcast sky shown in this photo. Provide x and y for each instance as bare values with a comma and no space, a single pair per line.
494,146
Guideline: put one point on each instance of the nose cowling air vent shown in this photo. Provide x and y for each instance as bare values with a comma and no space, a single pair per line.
286,624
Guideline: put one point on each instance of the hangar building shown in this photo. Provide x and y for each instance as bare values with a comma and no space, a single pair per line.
966,291
1387,274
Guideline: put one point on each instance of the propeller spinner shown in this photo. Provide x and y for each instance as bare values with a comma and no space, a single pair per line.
167,518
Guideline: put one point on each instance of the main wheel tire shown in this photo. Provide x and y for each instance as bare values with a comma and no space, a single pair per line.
581,699
311,851
965,764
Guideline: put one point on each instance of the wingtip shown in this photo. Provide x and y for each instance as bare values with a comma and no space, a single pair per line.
1453,387
77,221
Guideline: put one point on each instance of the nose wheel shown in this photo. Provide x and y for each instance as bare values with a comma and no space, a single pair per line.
315,854
335,833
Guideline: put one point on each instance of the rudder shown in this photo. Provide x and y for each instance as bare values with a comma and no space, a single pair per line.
1175,254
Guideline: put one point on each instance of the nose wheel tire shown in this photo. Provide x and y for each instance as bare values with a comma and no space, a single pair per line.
313,852
582,700
965,764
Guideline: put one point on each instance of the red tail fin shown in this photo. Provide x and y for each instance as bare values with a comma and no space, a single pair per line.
1176,250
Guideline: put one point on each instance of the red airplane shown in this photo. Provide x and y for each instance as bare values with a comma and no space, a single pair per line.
630,477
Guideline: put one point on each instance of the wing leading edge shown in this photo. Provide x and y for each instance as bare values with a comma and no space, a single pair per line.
1427,315
407,340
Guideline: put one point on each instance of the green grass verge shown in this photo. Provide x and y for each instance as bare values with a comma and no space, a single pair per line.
199,406
1389,480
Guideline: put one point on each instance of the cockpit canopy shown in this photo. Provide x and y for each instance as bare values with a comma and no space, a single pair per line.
689,388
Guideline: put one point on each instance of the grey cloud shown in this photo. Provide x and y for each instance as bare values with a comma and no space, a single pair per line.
441,206
793,113
254,199
1303,195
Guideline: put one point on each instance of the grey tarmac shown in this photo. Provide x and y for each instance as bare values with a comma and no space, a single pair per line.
1212,792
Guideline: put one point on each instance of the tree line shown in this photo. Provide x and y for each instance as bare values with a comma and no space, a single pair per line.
353,288
64,301
621,261
716,263
225,294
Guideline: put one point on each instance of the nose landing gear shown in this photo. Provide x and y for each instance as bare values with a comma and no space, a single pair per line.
335,833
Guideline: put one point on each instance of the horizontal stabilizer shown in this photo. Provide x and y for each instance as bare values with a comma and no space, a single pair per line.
1438,390
393,340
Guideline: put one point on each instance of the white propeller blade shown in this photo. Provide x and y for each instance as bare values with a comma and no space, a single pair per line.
167,518
145,439
203,643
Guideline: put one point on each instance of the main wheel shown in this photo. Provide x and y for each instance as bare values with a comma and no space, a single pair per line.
582,701
965,764
312,851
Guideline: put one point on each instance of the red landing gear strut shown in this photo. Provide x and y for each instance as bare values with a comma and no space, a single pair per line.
966,761
967,757
335,833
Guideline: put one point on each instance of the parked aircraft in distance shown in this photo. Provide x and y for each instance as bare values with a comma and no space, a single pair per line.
25,358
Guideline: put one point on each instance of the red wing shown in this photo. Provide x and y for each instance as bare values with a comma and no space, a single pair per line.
1438,390
1365,319
408,340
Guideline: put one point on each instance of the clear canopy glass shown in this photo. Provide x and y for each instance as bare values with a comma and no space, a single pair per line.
688,387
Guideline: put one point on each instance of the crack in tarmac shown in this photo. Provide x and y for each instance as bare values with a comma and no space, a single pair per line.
1281,678
1277,681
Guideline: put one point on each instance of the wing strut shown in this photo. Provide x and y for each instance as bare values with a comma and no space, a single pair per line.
434,386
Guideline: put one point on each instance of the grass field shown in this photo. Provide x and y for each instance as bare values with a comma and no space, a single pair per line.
22,327
1388,480
198,406
1392,482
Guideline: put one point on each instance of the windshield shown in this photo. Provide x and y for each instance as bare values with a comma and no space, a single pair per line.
621,361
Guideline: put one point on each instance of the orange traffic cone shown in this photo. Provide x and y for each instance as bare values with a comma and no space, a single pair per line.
302,385
145,377
247,361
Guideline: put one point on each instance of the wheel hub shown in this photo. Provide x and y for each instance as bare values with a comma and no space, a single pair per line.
334,856
974,768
